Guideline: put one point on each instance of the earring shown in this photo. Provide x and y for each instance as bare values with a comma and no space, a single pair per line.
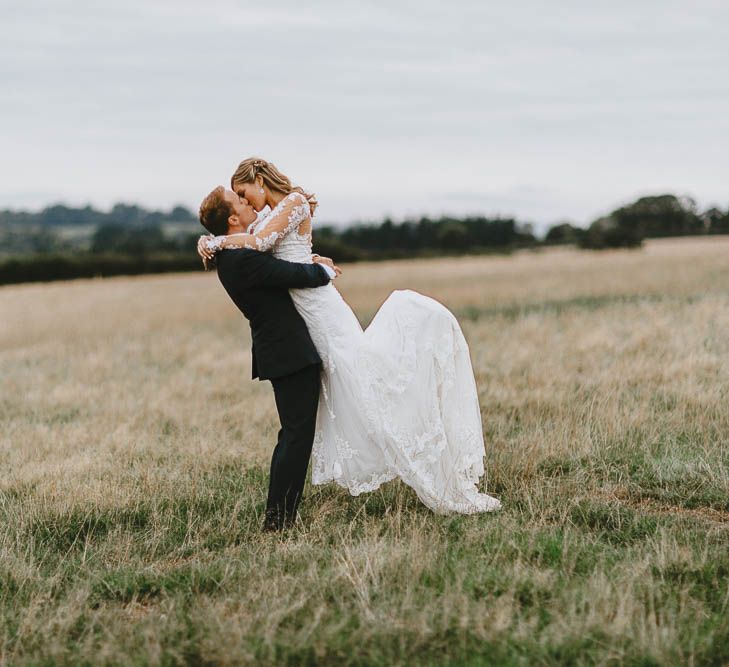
261,190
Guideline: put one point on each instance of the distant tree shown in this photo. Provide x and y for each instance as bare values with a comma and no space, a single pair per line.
125,214
656,216
153,218
86,216
564,233
331,246
453,236
119,238
181,214
8,217
186,243
58,215
662,215
612,232
716,221
43,242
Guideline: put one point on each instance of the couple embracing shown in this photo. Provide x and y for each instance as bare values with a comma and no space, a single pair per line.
396,400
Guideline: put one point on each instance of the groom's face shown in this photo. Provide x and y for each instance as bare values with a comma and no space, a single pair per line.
242,210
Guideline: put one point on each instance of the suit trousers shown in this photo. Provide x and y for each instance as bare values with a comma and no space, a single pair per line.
297,399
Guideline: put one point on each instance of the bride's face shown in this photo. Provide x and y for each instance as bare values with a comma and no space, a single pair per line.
241,208
252,193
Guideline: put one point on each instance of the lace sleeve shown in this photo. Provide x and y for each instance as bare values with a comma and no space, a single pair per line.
293,211
285,218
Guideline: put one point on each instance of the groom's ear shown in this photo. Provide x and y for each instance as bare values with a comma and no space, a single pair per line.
234,223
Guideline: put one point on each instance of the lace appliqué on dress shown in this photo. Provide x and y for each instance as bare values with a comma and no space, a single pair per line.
297,213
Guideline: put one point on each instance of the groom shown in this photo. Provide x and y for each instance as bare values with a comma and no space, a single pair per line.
283,352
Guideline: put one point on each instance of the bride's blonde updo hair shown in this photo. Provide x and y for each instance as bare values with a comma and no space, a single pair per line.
255,166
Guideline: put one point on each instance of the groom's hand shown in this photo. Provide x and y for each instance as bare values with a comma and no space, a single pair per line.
318,259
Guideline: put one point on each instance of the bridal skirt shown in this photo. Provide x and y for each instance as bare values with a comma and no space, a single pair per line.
398,400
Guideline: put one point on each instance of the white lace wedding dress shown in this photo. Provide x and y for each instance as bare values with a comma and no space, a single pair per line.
398,399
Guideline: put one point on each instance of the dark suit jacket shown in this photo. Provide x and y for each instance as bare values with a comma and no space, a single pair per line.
258,284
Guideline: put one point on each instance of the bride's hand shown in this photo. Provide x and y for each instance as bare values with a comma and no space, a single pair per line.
318,259
206,254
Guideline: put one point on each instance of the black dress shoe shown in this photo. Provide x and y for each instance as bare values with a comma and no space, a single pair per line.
275,521
270,526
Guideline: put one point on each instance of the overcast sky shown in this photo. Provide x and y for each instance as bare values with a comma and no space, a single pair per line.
542,110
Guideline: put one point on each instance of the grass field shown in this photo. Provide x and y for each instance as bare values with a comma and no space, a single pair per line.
135,451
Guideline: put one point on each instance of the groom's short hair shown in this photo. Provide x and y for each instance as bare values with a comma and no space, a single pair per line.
215,211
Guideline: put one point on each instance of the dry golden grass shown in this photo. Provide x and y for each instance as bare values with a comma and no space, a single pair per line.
134,452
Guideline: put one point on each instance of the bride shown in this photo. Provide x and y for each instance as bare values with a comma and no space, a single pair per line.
398,399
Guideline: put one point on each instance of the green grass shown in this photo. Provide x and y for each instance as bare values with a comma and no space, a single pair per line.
135,472
369,580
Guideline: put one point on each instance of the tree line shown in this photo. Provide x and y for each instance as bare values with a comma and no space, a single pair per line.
648,217
63,242
60,215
